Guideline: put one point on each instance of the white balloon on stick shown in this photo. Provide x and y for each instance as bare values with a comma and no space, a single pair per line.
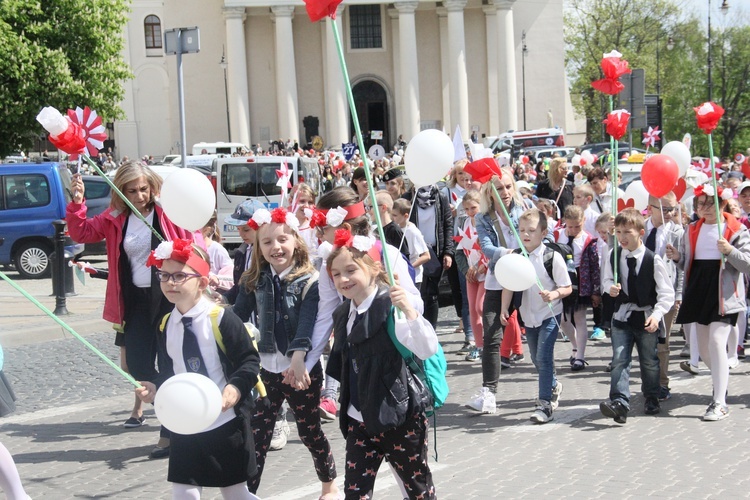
188,198
679,153
637,192
428,157
515,272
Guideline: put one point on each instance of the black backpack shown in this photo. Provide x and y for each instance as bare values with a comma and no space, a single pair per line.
550,247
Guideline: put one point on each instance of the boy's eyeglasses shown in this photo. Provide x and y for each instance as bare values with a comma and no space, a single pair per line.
666,209
177,278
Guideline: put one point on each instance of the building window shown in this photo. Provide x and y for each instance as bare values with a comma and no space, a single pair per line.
366,27
152,27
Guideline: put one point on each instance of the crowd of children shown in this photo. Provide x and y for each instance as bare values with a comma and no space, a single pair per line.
310,279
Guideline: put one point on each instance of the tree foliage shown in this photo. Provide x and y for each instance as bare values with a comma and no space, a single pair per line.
61,53
637,29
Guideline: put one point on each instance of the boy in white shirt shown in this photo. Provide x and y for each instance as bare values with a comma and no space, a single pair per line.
541,310
418,252
583,196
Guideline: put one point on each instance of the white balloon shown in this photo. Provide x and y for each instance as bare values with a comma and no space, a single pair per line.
586,155
679,153
188,403
429,157
188,198
515,272
637,192
576,160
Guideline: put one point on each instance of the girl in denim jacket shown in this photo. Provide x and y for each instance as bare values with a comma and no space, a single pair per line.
280,290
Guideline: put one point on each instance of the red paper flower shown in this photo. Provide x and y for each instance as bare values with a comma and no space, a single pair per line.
278,215
71,141
613,68
483,169
318,219
252,224
708,115
181,249
617,123
318,9
152,260
342,238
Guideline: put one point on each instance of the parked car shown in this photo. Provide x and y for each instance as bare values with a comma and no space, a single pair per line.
98,198
32,196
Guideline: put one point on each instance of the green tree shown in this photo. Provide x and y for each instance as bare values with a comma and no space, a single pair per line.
61,53
636,28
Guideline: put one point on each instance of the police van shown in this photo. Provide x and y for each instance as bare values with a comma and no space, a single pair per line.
526,139
255,177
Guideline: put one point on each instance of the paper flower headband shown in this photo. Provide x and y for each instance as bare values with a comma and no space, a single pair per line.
708,190
344,238
277,215
336,216
181,251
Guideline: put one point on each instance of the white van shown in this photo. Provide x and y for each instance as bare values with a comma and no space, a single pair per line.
526,139
213,148
254,177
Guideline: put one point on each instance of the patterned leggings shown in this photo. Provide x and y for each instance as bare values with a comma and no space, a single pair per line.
405,448
304,406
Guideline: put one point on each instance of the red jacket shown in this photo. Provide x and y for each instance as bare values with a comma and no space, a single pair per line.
109,225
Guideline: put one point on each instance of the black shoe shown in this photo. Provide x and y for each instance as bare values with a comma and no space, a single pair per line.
159,453
664,393
651,407
515,358
505,362
608,368
615,410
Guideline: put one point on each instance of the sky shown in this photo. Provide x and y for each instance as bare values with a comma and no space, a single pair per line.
700,7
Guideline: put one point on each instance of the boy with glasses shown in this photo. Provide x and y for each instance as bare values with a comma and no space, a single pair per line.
662,230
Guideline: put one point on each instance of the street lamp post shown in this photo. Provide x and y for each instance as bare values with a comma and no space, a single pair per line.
724,10
524,51
223,64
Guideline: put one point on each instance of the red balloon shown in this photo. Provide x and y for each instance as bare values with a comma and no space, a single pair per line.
659,175
525,159
746,168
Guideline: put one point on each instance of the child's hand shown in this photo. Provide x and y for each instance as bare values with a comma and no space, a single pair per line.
614,290
724,246
504,317
471,275
672,253
546,296
297,375
147,393
651,324
400,299
229,397
596,300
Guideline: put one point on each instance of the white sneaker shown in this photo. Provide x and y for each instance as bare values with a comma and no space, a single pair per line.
543,413
556,391
280,435
733,363
715,412
483,401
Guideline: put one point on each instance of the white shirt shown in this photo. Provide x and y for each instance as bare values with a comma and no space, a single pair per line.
660,248
664,288
417,247
490,282
705,247
533,309
206,343
277,362
137,245
589,220
418,336
577,244
219,257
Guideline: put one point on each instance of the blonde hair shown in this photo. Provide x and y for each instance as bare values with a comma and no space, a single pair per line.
603,218
458,167
384,198
573,212
402,206
363,260
488,198
301,260
556,166
585,190
303,188
131,171
472,195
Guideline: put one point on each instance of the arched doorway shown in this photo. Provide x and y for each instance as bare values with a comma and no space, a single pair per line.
371,100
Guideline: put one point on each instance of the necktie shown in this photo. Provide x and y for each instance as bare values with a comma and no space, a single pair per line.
354,374
632,277
248,255
279,332
191,352
651,240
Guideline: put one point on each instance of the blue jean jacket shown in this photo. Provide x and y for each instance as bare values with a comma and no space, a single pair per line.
492,245
299,314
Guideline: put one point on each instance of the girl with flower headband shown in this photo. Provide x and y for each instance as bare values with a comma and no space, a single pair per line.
342,209
223,455
280,289
303,205
713,263
381,409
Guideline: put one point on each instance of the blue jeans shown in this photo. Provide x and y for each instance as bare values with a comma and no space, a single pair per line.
465,317
624,337
541,342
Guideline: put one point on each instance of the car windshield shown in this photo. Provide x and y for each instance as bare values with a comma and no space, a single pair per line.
250,179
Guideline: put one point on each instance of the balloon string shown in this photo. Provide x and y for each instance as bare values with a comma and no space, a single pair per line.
520,245
69,329
135,211
716,190
403,236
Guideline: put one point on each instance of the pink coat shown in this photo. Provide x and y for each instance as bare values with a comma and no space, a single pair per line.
109,225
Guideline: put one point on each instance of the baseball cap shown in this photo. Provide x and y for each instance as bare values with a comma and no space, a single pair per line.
243,212
743,186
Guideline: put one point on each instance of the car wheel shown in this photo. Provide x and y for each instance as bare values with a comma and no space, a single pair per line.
33,260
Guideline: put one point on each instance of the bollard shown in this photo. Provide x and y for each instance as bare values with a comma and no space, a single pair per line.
58,269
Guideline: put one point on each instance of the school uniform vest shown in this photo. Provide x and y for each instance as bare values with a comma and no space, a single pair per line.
645,292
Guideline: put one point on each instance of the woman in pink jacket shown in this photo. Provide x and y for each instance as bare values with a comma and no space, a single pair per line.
133,298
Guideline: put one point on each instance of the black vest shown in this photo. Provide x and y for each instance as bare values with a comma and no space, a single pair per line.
645,293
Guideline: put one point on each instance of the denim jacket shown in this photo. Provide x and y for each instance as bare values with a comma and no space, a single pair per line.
299,313
494,245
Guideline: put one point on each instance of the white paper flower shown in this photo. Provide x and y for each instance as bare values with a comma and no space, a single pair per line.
164,250
52,121
708,190
324,250
262,216
336,216
727,194
308,212
614,53
705,109
363,243
292,221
